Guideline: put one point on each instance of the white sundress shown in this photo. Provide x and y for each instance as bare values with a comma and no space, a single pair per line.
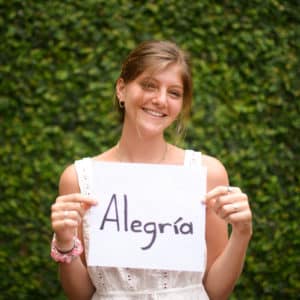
114,283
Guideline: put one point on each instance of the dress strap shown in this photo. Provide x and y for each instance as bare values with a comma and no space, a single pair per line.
192,158
83,169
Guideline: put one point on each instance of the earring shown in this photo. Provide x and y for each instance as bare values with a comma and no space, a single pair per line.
121,104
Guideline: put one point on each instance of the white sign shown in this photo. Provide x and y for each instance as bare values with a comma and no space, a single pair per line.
149,216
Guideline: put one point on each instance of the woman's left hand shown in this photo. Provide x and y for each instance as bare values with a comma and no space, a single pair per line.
231,205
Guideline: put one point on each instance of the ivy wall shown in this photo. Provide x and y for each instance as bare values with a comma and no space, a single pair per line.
58,64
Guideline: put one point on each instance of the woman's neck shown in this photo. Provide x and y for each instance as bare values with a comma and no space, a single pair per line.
143,150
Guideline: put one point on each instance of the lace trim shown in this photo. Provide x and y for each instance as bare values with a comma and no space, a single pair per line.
84,169
128,278
175,291
165,279
192,158
101,280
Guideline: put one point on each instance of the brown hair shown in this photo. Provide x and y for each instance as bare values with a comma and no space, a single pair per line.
154,56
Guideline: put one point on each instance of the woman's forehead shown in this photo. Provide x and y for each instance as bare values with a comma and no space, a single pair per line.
175,71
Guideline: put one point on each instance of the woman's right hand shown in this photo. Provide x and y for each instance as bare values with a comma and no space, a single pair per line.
66,215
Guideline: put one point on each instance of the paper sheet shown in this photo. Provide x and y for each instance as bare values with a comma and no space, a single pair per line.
149,216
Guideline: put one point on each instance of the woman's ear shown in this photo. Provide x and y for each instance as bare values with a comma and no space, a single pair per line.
120,89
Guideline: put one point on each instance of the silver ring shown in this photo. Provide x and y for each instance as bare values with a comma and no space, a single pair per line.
229,189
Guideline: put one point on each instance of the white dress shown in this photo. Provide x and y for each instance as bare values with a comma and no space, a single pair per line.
113,283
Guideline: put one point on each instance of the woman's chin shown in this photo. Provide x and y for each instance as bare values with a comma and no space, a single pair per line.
150,130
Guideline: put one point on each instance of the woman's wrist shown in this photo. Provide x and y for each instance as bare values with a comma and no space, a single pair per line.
242,233
63,246
65,249
66,256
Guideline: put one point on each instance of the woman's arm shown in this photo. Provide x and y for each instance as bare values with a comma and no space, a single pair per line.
74,276
225,258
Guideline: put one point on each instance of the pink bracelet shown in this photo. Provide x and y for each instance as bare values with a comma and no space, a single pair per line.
66,256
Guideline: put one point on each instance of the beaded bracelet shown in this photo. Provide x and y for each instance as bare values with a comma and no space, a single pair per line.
66,256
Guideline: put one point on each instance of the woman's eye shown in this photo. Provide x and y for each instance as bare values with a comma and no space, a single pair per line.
175,94
148,86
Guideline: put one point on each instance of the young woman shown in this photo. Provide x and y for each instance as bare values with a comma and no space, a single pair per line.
153,92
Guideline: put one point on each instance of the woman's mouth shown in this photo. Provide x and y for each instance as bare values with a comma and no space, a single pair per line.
154,113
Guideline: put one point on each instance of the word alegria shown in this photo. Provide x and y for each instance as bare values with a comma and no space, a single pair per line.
114,215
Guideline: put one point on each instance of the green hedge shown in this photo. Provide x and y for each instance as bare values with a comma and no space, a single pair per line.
58,63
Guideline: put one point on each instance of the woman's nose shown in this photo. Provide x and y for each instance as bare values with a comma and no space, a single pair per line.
160,98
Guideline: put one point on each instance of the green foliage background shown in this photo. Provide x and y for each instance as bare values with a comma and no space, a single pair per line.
58,64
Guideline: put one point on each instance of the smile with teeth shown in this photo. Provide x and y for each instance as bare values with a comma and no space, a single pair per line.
154,113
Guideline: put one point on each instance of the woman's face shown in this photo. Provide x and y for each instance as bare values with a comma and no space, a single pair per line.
153,100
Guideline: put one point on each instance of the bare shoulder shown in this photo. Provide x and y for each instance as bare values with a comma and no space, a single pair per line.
213,164
216,172
68,182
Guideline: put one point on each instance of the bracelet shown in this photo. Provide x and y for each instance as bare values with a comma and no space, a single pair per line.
66,256
64,251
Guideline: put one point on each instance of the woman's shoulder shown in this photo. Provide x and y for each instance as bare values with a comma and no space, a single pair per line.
68,182
216,171
212,162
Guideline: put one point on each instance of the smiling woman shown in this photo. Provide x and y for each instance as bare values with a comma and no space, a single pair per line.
153,91
153,57
152,101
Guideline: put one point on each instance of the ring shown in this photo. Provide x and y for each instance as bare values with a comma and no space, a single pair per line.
229,189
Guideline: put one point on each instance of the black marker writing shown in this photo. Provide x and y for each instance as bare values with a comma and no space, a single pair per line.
137,226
